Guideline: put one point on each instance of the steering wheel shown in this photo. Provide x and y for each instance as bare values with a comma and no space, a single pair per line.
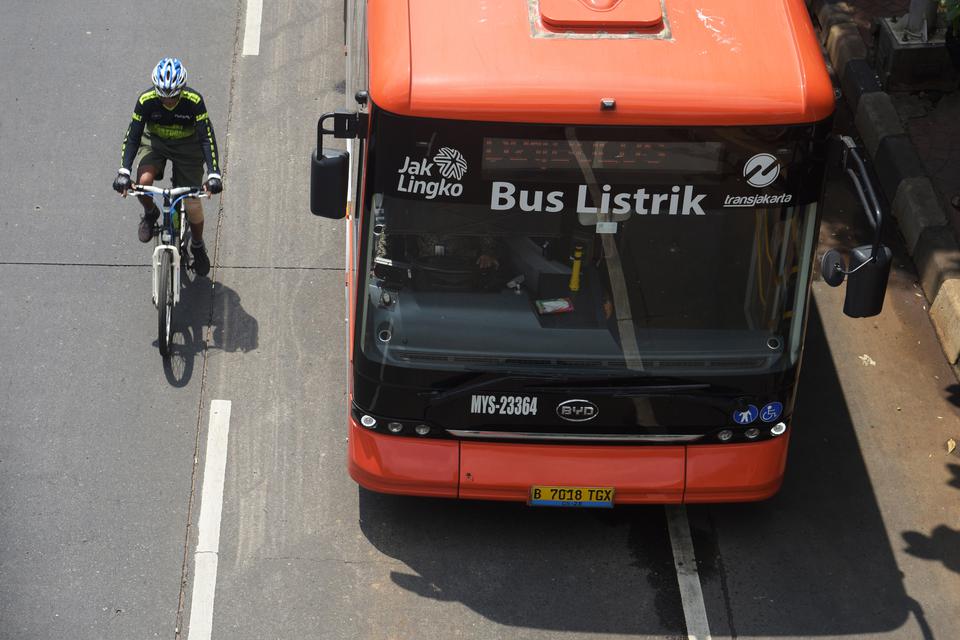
450,273
451,265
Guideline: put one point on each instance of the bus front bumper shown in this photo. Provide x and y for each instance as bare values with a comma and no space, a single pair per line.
494,471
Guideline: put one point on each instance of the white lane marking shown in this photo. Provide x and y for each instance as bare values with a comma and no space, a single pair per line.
208,537
691,594
251,29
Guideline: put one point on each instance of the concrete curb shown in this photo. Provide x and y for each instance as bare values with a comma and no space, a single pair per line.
915,205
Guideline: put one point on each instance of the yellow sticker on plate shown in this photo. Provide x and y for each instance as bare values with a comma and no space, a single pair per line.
542,496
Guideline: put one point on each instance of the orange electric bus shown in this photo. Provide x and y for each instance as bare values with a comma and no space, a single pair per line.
580,239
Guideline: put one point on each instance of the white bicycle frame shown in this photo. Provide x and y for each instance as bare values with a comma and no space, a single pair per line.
158,252
166,244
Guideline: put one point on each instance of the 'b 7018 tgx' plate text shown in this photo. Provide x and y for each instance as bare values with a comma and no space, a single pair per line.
541,496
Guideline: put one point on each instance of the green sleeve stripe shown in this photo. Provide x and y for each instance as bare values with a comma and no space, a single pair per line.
203,116
148,95
137,117
191,96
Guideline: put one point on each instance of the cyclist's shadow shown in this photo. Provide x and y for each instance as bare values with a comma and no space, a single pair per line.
204,305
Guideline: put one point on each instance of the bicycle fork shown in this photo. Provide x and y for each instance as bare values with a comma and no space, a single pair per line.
175,261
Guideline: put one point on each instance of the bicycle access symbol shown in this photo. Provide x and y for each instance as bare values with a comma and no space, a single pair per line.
761,170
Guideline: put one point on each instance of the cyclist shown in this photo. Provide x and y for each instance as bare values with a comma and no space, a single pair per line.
170,122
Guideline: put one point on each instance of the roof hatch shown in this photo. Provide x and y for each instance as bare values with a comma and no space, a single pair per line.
602,14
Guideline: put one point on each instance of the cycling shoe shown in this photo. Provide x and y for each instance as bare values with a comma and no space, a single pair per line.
201,262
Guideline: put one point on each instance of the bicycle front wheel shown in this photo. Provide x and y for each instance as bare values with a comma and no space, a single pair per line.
165,303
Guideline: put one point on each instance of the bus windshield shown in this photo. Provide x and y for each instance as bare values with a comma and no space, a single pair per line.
508,248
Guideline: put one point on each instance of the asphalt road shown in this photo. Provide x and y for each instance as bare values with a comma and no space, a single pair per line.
103,448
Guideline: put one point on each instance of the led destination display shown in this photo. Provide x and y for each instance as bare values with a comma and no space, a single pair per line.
524,154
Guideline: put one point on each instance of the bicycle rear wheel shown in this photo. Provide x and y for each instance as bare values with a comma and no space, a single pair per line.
164,303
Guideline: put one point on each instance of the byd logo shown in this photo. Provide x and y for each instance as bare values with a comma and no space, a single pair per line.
577,410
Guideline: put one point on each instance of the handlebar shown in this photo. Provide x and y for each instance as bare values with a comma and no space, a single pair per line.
186,192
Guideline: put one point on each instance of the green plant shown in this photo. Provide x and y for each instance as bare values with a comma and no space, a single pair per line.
952,10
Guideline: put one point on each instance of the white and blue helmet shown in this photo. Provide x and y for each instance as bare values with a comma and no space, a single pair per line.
169,77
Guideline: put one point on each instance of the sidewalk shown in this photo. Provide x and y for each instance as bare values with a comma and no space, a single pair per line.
913,139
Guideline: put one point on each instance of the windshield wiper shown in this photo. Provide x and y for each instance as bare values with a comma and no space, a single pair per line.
625,391
620,386
567,384
477,385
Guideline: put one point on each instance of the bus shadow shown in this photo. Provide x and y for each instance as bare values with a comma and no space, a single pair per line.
813,561
563,570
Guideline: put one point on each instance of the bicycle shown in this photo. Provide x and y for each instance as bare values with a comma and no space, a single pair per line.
168,254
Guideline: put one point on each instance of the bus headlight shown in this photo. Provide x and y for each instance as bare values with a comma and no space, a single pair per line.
725,435
752,433
395,427
778,429
368,421
422,429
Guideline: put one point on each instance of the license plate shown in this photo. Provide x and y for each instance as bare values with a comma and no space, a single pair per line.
541,496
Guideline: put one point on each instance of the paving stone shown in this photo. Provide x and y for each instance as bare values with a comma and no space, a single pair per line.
858,79
896,160
937,258
843,45
876,119
829,14
945,314
916,207
936,137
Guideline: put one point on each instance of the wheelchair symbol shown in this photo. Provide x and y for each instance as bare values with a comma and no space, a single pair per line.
771,411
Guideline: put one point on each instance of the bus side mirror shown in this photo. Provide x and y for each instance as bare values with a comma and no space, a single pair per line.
329,170
328,183
867,282
869,267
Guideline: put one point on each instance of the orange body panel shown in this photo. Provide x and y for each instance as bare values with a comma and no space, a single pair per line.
403,465
717,62
493,471
507,471
736,472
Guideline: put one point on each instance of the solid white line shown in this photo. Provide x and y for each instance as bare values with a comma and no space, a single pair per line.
251,29
691,594
208,525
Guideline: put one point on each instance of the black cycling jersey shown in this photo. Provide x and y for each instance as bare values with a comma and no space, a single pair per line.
187,119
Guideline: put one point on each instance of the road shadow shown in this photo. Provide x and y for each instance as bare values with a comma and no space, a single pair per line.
953,394
943,543
560,570
815,560
232,328
185,346
209,316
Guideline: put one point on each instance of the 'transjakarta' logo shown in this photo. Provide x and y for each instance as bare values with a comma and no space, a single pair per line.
417,177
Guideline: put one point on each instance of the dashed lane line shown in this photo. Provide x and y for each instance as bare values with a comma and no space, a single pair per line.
208,535
685,561
251,30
